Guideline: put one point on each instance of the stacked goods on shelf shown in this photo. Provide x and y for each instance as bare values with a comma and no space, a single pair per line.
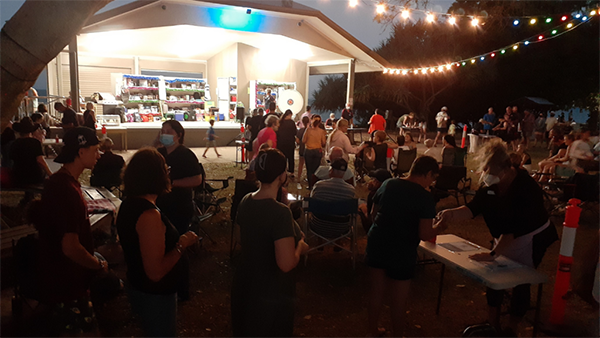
185,98
140,95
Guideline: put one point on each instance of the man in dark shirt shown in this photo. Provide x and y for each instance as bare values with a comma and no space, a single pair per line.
107,171
347,114
69,119
66,246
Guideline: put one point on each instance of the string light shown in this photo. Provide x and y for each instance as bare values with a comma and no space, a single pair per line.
578,16
405,14
548,20
564,18
592,13
475,22
353,3
584,18
440,68
516,22
452,20
532,21
430,18
380,8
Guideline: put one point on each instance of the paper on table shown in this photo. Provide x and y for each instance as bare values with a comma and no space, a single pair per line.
500,263
460,246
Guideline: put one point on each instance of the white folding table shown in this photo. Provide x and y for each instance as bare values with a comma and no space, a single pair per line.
502,274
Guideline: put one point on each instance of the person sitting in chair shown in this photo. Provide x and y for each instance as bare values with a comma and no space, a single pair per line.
330,190
107,172
322,172
378,177
449,150
378,153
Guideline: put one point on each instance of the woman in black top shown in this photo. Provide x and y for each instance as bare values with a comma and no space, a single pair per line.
379,151
29,166
185,174
89,116
151,245
512,206
286,139
262,298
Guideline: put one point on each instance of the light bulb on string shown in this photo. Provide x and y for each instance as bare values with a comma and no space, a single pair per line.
405,14
452,20
503,51
584,18
380,8
472,60
592,13
564,18
397,71
569,25
464,63
404,72
540,37
448,66
493,54
482,58
440,68
526,43
554,31
475,22
548,20
577,16
515,47
423,71
430,17
532,21
353,3
432,69
516,22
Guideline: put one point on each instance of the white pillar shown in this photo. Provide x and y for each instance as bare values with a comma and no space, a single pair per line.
74,70
350,89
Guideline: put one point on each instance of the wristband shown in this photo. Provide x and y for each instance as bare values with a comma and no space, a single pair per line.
179,248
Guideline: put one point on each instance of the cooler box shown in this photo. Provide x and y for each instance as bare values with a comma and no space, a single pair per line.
221,117
179,117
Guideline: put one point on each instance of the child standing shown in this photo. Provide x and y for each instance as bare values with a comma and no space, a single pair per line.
452,128
211,139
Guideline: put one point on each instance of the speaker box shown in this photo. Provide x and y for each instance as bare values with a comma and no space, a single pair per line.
240,113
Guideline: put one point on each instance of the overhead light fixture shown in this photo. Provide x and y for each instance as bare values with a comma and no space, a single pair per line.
405,14
452,20
475,22
430,17
380,8
353,3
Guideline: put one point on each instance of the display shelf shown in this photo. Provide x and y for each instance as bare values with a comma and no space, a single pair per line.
184,90
142,101
184,102
141,88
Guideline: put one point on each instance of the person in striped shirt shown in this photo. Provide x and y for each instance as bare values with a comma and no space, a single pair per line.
330,190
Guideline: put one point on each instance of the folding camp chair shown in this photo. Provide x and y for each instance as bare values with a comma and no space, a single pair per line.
453,181
205,194
331,212
404,161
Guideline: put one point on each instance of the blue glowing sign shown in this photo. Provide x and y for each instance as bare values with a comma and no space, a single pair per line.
237,19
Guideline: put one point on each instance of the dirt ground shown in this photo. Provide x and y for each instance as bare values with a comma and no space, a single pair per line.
331,297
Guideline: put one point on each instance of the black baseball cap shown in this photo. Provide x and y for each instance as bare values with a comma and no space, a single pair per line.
75,139
380,174
339,164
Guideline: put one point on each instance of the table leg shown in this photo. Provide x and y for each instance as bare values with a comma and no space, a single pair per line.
538,304
439,300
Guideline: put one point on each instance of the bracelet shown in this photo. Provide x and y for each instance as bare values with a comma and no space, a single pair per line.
179,248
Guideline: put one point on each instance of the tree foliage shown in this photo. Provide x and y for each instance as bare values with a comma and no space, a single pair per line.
331,94
563,70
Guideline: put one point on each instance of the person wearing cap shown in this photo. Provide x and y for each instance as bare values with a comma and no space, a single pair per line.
331,190
29,166
107,171
67,260
185,175
69,119
152,247
441,119
403,214
377,178
322,173
263,290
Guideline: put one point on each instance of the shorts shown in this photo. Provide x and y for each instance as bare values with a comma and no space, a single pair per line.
442,130
212,143
393,271
75,317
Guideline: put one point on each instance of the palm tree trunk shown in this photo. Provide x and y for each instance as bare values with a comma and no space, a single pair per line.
31,39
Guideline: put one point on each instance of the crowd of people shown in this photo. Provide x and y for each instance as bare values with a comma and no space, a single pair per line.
153,222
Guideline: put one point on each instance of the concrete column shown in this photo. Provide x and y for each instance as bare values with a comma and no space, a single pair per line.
350,89
74,71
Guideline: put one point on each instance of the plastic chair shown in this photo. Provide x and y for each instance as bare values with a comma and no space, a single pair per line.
343,212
